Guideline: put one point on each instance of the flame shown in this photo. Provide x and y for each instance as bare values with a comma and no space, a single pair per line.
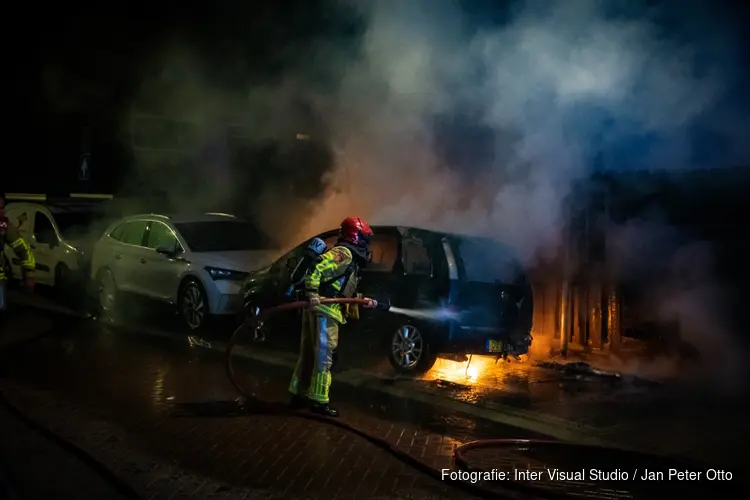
468,371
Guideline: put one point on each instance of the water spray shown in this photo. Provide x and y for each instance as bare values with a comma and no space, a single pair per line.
438,314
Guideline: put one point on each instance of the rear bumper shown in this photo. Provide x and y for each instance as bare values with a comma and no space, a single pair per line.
468,340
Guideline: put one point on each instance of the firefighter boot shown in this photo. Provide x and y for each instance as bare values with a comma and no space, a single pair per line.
323,409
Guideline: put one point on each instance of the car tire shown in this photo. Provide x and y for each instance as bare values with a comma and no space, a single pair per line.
106,292
409,350
192,305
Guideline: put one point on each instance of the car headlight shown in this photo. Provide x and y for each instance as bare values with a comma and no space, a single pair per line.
226,274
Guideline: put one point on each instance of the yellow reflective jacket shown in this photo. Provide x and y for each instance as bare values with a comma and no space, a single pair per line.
9,234
333,264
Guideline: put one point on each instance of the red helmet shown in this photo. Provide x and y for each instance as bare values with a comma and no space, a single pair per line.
356,231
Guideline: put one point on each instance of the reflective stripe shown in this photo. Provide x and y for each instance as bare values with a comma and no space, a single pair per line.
25,255
322,342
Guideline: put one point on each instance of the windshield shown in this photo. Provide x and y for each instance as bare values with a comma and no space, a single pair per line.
486,261
75,225
223,236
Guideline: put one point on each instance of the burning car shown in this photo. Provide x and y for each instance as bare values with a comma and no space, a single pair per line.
452,295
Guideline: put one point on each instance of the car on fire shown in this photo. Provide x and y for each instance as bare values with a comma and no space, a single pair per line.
477,281
197,263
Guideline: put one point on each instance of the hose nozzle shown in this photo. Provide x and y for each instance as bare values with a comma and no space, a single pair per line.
383,305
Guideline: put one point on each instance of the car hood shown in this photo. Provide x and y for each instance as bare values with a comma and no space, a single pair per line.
245,260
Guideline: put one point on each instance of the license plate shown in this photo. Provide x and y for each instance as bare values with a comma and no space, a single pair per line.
494,345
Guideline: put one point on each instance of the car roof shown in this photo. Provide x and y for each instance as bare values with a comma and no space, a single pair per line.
409,231
183,218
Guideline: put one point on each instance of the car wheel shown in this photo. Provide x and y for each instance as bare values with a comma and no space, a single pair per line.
193,304
410,351
106,291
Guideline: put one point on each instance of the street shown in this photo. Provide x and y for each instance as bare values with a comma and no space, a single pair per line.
155,406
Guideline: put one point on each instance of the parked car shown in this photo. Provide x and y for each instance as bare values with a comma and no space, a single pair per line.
477,279
61,235
197,263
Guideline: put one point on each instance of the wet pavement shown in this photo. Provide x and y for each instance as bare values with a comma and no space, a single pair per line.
174,403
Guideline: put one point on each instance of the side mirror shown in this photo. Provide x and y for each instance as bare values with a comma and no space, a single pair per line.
166,251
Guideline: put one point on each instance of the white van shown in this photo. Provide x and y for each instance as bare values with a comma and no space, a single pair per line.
59,236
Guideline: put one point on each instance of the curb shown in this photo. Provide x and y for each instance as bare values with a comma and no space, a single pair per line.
532,421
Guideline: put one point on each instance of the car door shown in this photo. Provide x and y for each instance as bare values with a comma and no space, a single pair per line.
380,278
418,275
128,251
44,242
161,270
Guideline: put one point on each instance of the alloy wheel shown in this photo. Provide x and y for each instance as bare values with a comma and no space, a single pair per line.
407,346
193,306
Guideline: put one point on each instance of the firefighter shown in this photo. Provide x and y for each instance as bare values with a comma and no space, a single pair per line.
9,235
336,275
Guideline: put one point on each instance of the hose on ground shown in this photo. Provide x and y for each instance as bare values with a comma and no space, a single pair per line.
258,406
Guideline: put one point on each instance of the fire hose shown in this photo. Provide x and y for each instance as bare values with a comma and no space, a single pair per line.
255,322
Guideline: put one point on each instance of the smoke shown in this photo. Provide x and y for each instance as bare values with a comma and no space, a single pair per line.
548,89
553,89
676,284
462,117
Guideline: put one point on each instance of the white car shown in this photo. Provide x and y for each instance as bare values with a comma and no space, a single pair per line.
197,263
59,235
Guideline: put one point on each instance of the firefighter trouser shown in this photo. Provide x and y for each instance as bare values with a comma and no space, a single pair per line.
319,339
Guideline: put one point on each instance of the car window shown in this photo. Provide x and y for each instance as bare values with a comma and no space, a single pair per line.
223,236
43,226
416,258
161,236
116,233
384,253
486,261
130,232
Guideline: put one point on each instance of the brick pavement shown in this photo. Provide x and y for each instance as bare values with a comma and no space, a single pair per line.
258,457
124,389
39,469
124,415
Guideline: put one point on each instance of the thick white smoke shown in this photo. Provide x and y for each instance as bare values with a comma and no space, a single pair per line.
562,85
558,83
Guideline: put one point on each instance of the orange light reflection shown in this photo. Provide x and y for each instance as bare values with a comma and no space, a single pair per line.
468,371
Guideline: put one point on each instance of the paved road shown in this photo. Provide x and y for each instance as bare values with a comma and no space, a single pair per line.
162,411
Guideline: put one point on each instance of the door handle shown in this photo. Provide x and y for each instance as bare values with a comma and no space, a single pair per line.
143,260
118,256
